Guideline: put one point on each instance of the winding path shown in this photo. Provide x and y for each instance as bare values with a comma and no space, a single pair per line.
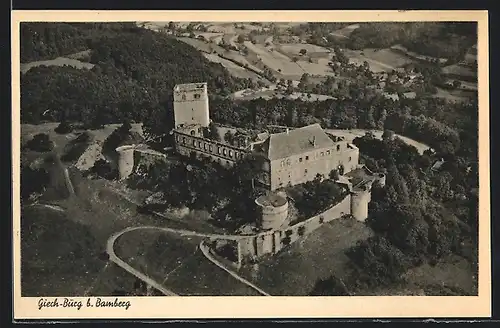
204,249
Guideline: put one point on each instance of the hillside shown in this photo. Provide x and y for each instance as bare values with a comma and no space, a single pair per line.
439,40
127,81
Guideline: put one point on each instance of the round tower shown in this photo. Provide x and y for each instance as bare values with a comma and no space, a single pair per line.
360,198
125,160
273,210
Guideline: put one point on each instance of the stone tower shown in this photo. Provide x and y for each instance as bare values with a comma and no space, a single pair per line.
191,104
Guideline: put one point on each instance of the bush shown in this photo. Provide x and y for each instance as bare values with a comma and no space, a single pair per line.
301,230
104,169
40,143
63,128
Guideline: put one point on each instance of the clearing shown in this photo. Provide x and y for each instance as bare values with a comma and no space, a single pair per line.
60,61
350,135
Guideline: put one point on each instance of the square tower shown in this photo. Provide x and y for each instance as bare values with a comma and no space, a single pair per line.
191,104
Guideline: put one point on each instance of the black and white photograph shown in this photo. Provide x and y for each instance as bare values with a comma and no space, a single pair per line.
248,158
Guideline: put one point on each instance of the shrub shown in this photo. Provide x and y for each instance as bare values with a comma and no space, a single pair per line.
63,128
301,230
40,143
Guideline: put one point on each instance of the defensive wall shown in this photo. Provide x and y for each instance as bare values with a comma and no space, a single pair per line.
131,156
355,203
271,242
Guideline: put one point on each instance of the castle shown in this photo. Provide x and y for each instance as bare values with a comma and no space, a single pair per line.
291,157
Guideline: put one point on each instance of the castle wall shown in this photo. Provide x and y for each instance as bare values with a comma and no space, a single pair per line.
224,154
273,241
146,157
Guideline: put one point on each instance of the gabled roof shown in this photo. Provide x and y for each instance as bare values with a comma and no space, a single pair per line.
296,141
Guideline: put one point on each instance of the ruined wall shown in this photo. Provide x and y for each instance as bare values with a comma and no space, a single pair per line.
148,157
222,153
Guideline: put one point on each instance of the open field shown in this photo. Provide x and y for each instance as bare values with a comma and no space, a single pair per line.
275,61
415,55
459,70
345,32
320,68
234,69
60,61
387,57
357,58
453,95
295,270
199,277
295,48
350,135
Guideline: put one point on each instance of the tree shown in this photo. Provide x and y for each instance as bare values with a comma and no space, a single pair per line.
40,143
241,38
388,135
229,137
457,84
303,52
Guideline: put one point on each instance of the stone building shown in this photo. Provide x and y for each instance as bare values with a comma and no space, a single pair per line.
291,157
299,155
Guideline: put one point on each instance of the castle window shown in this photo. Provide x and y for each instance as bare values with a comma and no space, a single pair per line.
230,153
197,96
300,159
305,172
192,132
227,162
322,154
183,140
328,152
210,148
282,163
194,143
218,150
183,97
307,158
224,151
205,146
349,159
338,147
199,144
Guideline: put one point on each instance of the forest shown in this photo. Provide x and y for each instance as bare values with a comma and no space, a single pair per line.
133,77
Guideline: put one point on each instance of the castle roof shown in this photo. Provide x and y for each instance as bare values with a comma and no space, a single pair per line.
296,141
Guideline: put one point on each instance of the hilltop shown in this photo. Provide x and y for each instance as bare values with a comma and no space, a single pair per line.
127,79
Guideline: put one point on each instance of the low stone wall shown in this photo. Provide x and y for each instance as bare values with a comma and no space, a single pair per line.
271,242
